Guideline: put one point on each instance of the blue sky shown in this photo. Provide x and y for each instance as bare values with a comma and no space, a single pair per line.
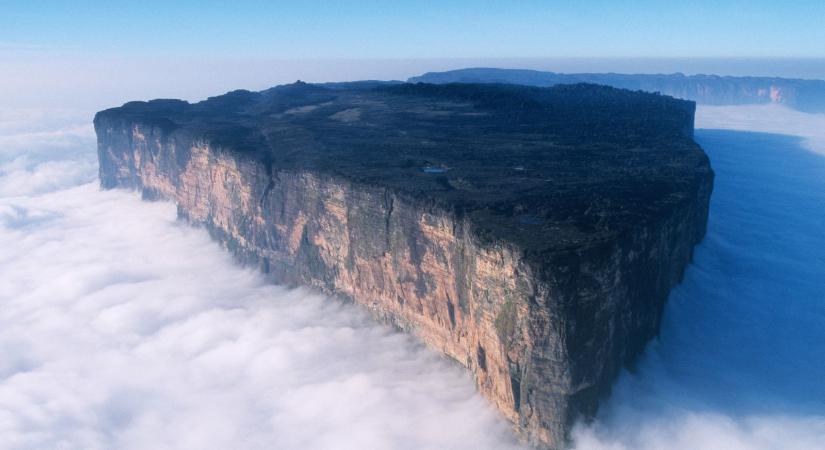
416,29
94,54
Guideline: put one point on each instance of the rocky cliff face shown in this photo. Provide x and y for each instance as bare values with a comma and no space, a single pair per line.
544,333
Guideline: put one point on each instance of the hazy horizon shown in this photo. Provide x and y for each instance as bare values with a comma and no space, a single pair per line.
96,84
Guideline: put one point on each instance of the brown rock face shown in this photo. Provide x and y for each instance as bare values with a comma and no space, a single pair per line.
544,335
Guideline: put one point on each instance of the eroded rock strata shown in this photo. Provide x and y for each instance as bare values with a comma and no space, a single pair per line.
532,234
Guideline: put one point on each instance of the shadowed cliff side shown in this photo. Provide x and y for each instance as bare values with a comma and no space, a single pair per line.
532,234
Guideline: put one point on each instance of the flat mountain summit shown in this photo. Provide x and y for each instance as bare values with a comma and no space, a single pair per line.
545,168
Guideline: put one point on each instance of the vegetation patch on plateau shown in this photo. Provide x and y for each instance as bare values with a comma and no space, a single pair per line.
547,169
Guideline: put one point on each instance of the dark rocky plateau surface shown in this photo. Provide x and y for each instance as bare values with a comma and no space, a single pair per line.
531,234
802,95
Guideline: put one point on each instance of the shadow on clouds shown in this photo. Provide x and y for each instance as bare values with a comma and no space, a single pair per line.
740,361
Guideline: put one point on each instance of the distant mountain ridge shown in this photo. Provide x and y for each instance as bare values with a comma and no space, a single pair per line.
803,95
531,234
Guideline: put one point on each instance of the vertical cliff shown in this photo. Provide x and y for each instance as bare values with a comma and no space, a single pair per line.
543,302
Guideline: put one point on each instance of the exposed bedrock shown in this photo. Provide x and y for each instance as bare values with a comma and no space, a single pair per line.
544,335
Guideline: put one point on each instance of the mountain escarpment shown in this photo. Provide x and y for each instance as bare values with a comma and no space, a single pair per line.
531,234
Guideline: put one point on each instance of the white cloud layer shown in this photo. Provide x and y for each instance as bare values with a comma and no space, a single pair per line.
770,118
122,328
740,362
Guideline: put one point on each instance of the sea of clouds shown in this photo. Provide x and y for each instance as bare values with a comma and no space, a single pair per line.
121,327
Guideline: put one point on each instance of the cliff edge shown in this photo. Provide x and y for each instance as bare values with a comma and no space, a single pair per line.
532,234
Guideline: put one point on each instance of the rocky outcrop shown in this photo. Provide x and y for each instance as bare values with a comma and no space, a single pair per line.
803,95
543,283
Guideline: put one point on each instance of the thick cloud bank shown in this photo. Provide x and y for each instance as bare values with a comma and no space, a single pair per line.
740,363
123,328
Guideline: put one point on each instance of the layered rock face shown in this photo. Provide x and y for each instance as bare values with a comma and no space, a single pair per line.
803,95
531,242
